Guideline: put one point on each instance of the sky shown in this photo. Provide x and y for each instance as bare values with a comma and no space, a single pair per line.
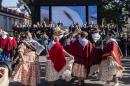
93,13
77,12
9,3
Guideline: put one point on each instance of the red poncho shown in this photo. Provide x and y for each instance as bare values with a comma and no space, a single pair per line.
56,55
14,43
112,49
5,44
82,54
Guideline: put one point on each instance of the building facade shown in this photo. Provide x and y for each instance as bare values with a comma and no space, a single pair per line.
9,17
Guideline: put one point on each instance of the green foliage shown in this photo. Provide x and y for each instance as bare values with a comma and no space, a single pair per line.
0,3
113,11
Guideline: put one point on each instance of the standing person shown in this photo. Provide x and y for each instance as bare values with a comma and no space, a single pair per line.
14,44
122,43
27,71
96,41
55,61
111,65
81,50
5,66
14,49
5,44
69,42
77,28
128,45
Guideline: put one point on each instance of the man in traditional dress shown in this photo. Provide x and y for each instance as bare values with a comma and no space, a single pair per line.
81,50
5,67
111,65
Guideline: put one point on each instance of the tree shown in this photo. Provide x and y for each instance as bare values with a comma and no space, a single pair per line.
114,11
25,5
0,3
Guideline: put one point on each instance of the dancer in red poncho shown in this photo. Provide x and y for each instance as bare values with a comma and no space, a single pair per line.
81,50
5,43
56,61
96,41
111,66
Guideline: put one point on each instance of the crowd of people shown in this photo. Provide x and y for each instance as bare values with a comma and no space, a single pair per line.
71,52
43,31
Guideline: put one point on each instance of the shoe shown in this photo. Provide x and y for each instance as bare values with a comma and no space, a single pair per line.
82,82
79,84
116,84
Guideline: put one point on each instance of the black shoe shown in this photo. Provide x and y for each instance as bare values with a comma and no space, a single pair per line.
82,83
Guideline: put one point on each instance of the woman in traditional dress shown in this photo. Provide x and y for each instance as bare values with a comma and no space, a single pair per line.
56,62
27,71
96,41
111,65
81,50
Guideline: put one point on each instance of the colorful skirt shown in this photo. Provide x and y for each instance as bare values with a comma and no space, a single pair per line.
27,74
51,73
108,69
65,73
94,69
79,70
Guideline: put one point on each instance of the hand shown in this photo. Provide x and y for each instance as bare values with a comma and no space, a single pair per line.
72,57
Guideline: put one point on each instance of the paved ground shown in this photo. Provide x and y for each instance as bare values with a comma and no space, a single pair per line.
125,81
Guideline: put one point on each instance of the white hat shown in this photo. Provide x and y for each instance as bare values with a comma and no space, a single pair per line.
4,32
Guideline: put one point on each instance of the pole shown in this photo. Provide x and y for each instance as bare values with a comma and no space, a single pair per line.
126,43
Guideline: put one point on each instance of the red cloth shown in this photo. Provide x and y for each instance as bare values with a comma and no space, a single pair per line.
82,55
56,55
19,42
14,43
112,49
5,44
96,56
68,48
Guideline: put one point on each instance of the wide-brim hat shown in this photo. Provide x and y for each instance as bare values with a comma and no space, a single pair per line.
66,31
57,29
61,32
58,33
